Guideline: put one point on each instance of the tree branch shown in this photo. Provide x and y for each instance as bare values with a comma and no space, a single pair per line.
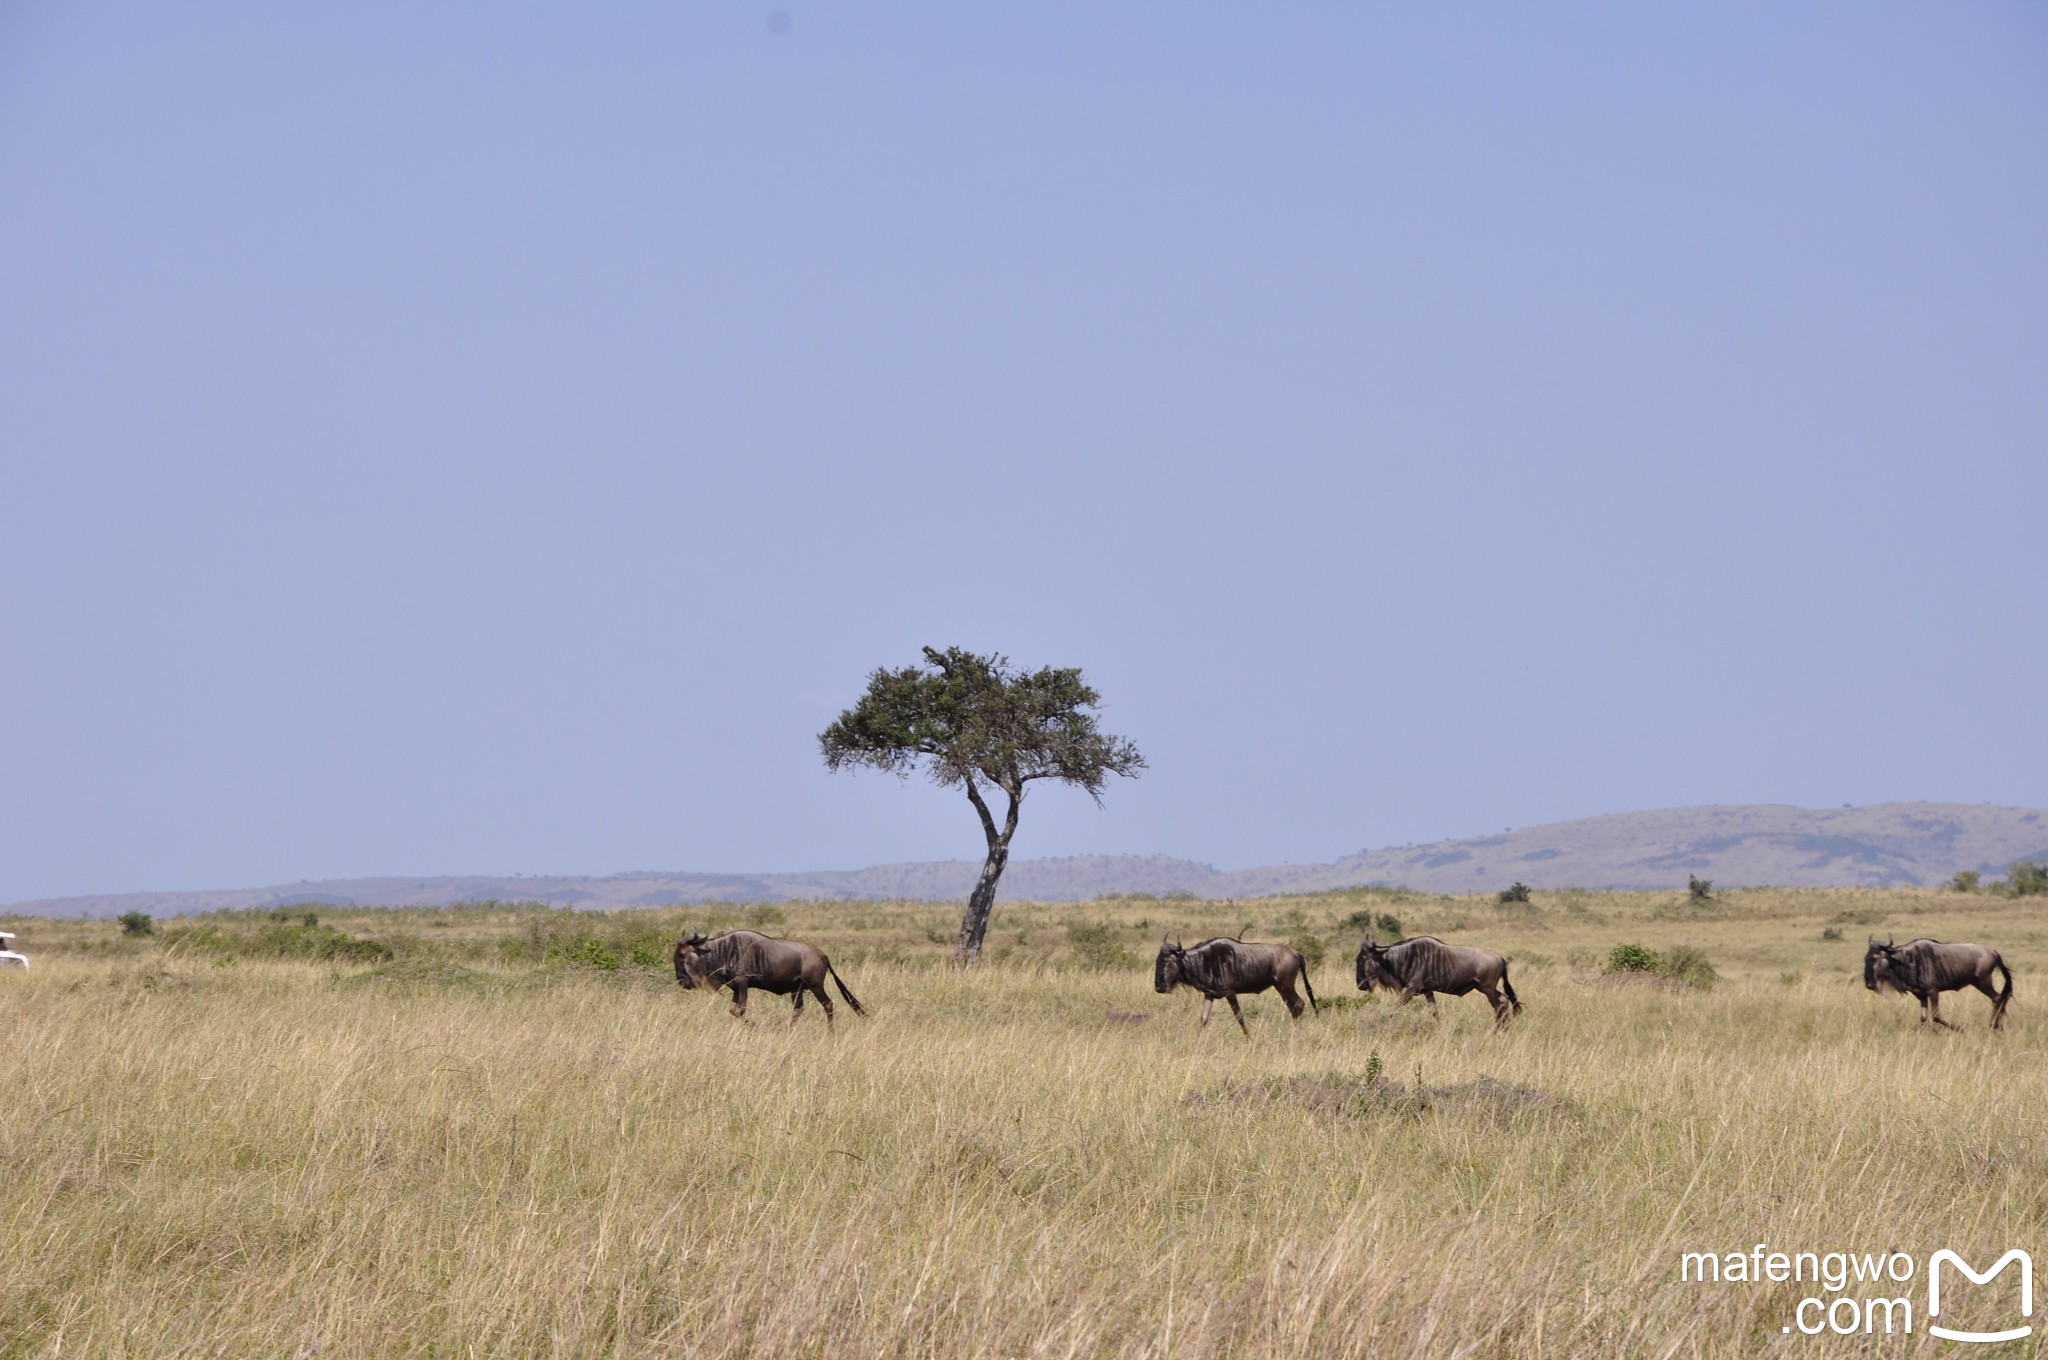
988,821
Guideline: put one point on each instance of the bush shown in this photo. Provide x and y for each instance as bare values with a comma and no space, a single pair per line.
1681,963
1701,889
1313,948
1690,966
281,940
1631,958
1382,923
2026,878
1831,932
137,923
1097,946
585,951
1965,881
301,941
1517,891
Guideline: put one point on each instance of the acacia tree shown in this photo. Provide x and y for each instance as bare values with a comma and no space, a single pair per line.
972,721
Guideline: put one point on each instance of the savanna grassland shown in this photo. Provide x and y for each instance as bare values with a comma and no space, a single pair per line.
504,1131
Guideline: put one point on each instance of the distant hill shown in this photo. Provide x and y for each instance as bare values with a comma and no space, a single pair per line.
1768,845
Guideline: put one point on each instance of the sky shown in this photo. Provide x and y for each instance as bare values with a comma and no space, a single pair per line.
498,438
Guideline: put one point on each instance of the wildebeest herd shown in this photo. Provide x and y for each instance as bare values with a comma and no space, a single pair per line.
1226,968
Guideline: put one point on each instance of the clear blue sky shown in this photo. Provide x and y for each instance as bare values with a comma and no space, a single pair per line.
498,438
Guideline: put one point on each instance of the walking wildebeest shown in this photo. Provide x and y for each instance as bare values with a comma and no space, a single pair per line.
1425,965
1925,969
745,959
1226,968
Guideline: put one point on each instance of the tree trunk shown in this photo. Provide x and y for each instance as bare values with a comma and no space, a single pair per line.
982,901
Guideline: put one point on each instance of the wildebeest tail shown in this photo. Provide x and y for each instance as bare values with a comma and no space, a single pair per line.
1509,988
1308,986
838,982
2005,992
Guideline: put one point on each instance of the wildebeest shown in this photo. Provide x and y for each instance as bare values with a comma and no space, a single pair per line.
1227,968
747,959
1425,965
1925,969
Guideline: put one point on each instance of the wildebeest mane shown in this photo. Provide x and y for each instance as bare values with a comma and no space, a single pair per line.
717,955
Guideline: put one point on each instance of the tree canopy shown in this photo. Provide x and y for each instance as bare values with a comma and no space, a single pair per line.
972,721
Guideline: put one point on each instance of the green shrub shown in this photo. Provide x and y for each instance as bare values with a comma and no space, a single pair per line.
325,943
1681,963
1517,891
1690,966
586,951
1699,889
137,923
1097,946
1965,881
1631,958
279,940
1312,946
2026,878
1382,923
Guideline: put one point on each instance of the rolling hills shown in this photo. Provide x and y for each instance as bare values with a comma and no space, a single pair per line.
1748,845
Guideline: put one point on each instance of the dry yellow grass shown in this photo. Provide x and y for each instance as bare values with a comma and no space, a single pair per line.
476,1152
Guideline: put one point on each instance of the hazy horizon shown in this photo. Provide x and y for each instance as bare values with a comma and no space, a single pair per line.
1757,845
500,441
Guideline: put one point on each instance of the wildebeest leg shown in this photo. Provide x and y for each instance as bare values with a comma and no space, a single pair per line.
796,1012
1295,1005
823,1000
739,1000
1207,1002
1934,1007
1238,1011
1500,1007
1983,984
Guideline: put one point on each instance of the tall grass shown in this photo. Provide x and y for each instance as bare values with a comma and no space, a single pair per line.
486,1146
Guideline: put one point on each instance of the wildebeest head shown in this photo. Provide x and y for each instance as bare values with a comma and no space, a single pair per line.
1882,967
689,962
1166,970
1372,967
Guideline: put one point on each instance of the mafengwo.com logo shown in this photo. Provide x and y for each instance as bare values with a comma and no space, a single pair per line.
1872,1293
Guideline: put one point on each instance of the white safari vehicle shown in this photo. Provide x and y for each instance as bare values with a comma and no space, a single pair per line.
8,957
